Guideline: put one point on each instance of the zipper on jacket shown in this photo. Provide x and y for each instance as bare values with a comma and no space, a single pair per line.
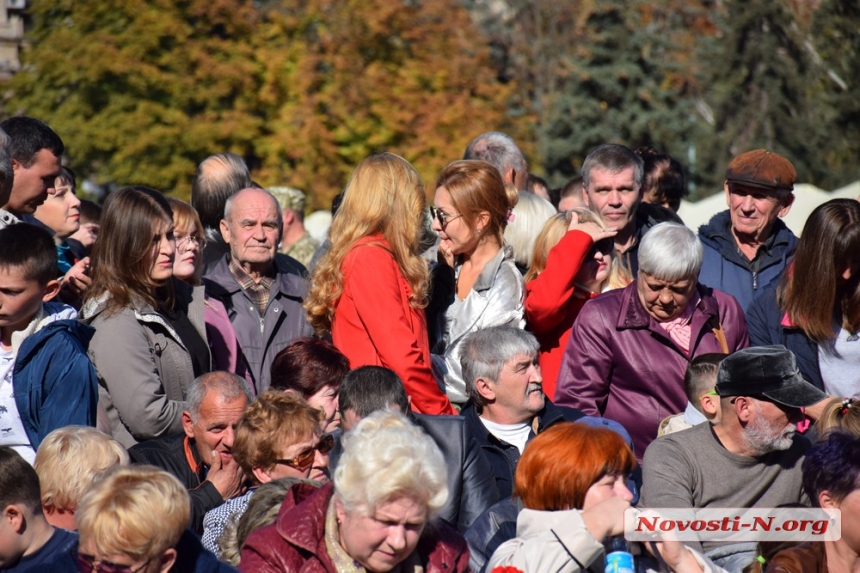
755,280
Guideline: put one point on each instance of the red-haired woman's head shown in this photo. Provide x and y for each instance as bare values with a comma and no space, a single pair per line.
562,463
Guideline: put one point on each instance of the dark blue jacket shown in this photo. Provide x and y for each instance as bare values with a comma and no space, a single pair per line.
726,269
54,382
764,324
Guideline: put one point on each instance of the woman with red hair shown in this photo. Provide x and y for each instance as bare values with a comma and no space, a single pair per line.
572,481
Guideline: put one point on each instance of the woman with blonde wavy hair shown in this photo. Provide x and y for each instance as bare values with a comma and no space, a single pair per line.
573,261
370,288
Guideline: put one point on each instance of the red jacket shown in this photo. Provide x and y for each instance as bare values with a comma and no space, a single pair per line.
551,307
374,325
296,541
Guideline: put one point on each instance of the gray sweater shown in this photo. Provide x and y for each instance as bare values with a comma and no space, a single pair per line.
691,468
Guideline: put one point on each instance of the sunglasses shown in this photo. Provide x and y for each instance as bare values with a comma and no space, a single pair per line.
89,564
605,246
441,216
305,458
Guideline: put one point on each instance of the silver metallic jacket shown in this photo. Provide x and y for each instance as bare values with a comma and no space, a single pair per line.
496,299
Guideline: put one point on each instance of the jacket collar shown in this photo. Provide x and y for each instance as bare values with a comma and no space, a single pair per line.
549,415
143,312
718,234
633,315
487,277
221,283
305,528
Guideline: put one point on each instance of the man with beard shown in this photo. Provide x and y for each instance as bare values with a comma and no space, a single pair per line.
751,458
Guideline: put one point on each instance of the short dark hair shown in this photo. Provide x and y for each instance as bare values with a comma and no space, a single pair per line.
833,464
19,482
29,136
68,175
218,177
613,158
701,376
370,388
664,175
90,212
572,187
30,248
307,365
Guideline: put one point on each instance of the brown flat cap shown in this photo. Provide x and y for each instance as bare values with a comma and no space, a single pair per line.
763,169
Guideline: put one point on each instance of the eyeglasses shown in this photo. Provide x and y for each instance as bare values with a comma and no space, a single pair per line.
443,217
305,458
89,564
189,242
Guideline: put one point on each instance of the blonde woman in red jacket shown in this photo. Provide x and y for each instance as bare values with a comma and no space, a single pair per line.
573,261
370,288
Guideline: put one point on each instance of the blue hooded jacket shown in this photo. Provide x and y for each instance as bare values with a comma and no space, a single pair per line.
54,382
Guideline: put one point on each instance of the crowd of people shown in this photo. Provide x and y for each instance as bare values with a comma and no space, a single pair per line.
487,383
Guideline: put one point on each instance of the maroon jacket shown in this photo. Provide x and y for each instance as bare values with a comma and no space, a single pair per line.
296,541
622,365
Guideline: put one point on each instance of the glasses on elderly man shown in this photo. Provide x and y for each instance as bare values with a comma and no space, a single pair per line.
306,457
89,564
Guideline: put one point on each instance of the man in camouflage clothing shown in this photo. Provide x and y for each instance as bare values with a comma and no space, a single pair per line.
296,241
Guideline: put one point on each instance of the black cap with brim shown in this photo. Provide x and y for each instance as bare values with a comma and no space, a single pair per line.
769,371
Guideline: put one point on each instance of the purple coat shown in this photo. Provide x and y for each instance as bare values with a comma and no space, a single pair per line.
622,365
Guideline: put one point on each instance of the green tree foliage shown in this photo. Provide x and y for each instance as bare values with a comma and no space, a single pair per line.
142,90
344,78
834,41
598,71
755,76
623,84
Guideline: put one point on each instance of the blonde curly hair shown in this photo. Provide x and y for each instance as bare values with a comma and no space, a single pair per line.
383,195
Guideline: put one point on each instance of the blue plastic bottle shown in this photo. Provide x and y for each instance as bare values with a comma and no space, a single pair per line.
618,556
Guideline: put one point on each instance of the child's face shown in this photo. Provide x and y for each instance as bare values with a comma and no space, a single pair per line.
20,298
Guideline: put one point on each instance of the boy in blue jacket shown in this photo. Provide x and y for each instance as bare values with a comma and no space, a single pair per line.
46,378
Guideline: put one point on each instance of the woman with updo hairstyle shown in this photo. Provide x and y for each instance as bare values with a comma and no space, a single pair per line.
476,281
814,311
378,516
573,262
572,482
370,288
150,340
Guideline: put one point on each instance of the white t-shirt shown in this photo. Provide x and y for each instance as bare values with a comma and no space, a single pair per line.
514,434
12,432
839,362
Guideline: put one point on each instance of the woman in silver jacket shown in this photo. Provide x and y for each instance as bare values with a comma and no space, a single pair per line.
150,339
476,283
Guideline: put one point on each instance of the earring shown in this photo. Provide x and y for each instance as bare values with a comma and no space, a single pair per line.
480,231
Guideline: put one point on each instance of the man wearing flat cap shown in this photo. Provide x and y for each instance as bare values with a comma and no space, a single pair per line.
751,458
747,246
